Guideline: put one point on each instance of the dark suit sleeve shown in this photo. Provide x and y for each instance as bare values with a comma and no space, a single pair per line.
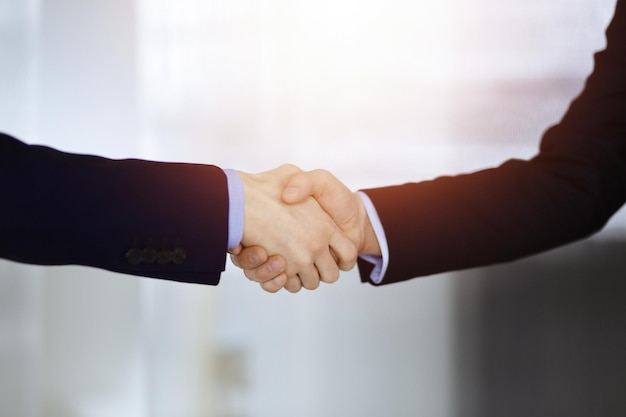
162,220
567,192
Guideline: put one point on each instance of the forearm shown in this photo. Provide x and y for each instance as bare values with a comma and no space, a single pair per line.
75,209
568,191
492,216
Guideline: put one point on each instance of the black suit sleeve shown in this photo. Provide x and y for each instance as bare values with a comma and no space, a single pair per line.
567,192
162,220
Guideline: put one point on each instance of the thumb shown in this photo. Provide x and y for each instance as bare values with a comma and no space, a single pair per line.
299,188
332,195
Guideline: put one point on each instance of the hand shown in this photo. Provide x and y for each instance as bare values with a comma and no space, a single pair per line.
344,207
309,241
269,271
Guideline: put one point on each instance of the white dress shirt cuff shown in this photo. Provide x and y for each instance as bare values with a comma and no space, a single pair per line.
235,208
380,262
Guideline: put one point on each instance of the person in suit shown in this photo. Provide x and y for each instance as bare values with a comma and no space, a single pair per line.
164,220
568,191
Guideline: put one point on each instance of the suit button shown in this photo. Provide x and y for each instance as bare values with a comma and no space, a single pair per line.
149,255
180,255
133,256
164,256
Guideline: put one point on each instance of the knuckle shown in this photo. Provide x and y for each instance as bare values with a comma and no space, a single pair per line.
348,263
315,246
303,262
322,173
290,168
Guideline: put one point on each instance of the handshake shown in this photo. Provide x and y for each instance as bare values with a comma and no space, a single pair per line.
300,228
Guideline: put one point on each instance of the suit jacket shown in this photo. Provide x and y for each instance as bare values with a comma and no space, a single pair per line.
161,220
566,192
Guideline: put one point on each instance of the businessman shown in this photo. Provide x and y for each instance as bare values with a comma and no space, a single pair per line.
163,220
568,191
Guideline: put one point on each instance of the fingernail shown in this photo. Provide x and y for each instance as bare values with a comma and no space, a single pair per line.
292,190
274,266
278,281
254,258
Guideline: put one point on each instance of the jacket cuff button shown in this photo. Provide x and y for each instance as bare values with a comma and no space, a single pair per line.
133,256
179,256
164,256
149,255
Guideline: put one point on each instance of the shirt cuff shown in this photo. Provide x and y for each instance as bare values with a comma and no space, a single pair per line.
380,262
235,208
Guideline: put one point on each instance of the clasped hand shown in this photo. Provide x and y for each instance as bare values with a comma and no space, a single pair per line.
300,229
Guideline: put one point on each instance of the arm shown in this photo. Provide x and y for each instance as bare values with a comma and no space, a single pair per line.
568,191
130,216
152,219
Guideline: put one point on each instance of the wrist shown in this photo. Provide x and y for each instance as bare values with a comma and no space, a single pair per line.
252,207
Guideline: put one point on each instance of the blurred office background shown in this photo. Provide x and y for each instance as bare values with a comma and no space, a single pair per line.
378,92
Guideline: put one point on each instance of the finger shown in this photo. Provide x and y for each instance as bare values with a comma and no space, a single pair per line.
250,257
293,284
327,268
309,277
331,194
287,170
319,184
275,284
269,270
344,250
299,187
236,250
